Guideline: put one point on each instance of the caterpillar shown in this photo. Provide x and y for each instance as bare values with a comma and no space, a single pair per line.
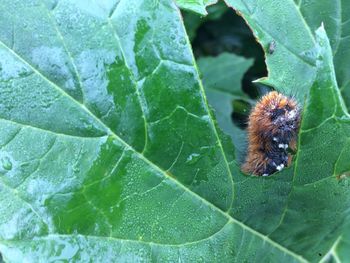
272,131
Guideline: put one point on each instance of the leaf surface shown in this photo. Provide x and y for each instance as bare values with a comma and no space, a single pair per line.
110,153
306,206
108,149
336,17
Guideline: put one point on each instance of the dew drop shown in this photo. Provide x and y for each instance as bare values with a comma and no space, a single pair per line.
183,41
6,163
193,158
88,126
76,169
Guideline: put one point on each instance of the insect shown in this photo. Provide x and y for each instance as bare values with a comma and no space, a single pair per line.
272,47
272,131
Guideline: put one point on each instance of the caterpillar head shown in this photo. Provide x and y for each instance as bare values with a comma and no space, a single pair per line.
284,114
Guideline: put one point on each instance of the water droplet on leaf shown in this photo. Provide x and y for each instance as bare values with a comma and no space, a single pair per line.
6,163
193,158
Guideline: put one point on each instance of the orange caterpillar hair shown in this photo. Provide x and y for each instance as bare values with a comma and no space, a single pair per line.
272,129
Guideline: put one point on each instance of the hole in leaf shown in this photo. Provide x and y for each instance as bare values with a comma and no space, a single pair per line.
225,31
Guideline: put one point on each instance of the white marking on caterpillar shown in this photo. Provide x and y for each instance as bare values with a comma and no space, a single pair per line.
283,146
280,167
292,114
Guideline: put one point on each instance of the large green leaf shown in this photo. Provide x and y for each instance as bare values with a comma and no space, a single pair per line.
291,25
307,205
291,66
304,207
108,149
288,207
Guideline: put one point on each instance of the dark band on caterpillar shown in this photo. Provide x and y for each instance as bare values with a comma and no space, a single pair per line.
272,130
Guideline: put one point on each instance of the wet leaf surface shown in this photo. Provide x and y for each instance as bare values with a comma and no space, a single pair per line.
109,151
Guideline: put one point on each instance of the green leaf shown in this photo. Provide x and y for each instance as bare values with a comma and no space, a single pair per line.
224,73
336,17
291,67
320,194
304,207
110,153
108,149
222,78
197,6
293,55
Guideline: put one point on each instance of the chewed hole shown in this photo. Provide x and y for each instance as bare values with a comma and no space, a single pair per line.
225,31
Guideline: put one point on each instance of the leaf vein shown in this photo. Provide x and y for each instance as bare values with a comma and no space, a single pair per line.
69,54
117,38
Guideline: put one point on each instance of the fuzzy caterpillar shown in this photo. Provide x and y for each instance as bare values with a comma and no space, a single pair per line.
272,129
